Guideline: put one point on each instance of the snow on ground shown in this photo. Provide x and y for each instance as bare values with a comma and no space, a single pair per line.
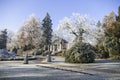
5,54
16,70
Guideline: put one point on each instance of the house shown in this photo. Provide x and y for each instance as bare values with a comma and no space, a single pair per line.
58,44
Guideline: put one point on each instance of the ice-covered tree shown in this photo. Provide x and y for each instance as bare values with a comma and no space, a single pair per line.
10,34
10,41
13,42
78,27
30,33
83,29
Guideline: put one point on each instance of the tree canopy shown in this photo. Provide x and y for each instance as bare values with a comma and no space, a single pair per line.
47,30
112,35
3,39
78,27
30,33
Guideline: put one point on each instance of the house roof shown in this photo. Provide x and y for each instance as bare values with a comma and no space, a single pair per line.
56,39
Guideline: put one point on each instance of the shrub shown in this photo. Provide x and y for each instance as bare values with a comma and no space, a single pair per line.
80,53
114,53
63,53
101,52
38,52
112,46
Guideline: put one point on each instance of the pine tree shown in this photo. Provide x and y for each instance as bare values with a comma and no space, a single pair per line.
47,31
3,39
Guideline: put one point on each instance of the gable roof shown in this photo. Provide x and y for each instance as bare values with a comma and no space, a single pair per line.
57,39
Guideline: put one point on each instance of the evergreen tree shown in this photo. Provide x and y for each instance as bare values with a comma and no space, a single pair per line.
118,17
3,39
112,35
98,24
47,31
101,53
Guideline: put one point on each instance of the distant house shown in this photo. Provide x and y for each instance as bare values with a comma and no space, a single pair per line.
58,44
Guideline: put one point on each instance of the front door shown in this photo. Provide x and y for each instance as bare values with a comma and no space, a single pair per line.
55,47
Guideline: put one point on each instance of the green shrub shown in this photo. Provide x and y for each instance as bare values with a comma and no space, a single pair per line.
39,51
115,57
80,53
63,53
101,51
112,46
114,53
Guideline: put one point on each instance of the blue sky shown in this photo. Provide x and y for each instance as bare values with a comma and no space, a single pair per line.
14,12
